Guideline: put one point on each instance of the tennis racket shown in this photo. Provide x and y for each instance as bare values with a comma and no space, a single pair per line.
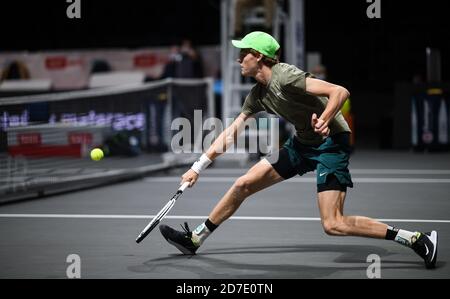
157,219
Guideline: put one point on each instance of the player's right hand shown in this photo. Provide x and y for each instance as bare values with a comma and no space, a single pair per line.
320,126
190,176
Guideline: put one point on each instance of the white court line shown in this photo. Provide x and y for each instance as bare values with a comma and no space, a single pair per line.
244,170
353,171
148,217
310,180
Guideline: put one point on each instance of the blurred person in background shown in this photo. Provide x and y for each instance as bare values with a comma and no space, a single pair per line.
191,65
185,62
100,66
15,70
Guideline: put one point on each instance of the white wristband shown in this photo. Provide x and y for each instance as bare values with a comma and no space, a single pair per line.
201,164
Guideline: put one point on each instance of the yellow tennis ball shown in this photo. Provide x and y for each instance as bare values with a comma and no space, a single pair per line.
347,107
96,154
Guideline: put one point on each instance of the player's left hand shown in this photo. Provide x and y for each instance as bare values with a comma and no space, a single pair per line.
320,126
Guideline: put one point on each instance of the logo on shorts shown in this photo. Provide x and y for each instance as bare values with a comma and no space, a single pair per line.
322,174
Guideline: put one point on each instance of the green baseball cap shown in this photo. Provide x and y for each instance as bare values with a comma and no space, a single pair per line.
260,41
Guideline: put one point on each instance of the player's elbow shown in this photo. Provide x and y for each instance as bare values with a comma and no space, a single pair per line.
347,93
343,92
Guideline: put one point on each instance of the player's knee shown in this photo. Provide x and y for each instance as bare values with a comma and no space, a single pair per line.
243,185
332,227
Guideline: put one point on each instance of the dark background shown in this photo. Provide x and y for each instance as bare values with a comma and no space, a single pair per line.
355,48
368,56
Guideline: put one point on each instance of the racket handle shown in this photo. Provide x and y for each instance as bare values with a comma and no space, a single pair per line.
184,186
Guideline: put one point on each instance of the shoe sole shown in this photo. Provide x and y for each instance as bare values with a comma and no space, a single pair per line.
184,250
434,239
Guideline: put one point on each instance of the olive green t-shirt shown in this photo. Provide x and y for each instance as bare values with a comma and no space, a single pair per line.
286,96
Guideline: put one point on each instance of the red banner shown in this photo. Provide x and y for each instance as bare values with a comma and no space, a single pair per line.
56,62
29,139
80,138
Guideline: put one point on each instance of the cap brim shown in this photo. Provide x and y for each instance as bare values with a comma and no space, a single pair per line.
239,44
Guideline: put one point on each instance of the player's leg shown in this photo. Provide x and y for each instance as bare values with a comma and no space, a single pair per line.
335,223
273,169
333,178
281,165
259,177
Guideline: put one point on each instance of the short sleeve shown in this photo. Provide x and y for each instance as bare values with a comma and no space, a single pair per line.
251,105
294,80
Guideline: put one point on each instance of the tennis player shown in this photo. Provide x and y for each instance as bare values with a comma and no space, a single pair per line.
321,143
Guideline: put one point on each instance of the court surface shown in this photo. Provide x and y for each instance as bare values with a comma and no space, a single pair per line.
275,234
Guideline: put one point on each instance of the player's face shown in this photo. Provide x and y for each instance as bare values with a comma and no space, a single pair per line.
248,62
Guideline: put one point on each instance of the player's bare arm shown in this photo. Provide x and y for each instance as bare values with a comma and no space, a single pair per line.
219,146
336,97
227,137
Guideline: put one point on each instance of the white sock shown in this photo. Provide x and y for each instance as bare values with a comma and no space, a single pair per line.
406,238
200,234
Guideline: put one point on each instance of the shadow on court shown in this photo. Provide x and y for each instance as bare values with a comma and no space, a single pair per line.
205,264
